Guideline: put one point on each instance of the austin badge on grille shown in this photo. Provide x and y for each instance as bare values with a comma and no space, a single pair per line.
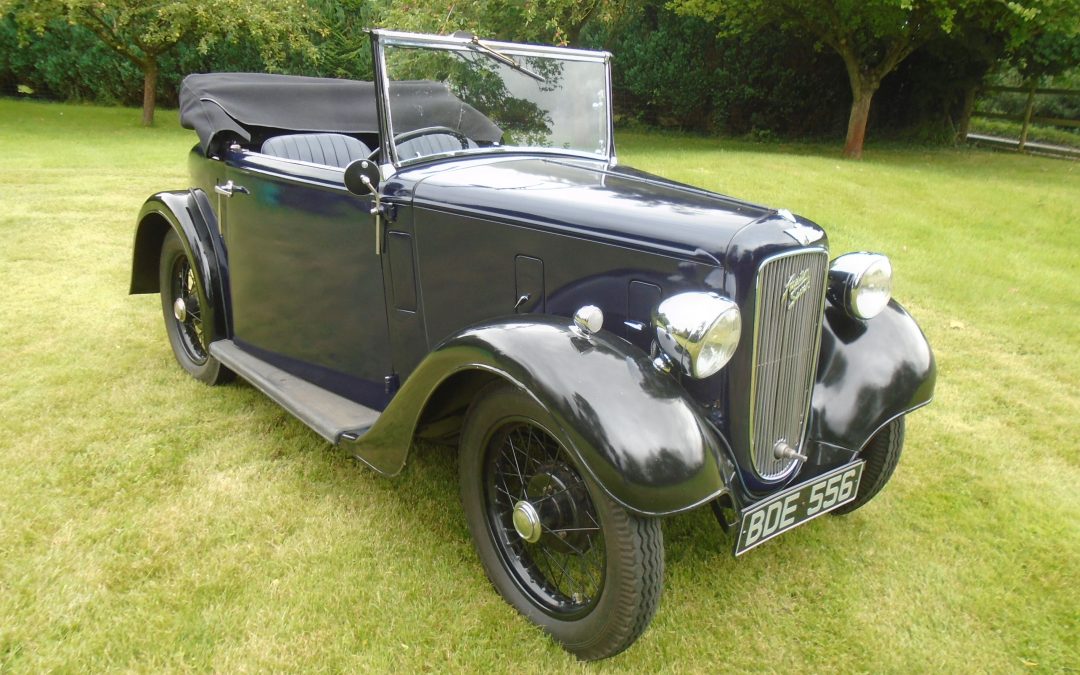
796,286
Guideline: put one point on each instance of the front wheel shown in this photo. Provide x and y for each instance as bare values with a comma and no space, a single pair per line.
553,544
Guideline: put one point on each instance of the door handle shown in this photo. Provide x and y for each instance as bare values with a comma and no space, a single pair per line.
230,188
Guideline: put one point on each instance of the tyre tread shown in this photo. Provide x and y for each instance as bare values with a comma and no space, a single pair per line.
642,548
882,454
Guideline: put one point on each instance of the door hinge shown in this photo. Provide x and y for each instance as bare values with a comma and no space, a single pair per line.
383,212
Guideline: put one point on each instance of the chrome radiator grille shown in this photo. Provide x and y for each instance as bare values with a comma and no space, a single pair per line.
787,333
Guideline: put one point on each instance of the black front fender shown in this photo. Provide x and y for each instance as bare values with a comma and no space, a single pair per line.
633,427
187,212
870,373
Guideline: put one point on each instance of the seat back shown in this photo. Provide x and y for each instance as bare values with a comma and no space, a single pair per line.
429,144
329,149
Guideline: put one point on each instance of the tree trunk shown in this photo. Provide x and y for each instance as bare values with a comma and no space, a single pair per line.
860,114
149,97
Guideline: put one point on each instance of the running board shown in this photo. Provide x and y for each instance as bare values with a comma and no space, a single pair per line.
331,416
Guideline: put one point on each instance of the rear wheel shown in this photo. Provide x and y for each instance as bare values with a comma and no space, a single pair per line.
553,544
882,453
183,312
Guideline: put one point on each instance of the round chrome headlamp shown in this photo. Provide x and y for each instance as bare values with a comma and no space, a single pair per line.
698,331
861,284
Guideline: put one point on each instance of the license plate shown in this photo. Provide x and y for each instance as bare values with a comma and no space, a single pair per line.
797,505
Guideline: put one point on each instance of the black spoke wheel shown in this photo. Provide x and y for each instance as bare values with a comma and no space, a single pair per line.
186,300
182,308
553,544
542,519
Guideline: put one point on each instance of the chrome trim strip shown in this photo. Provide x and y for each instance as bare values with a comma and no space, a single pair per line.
388,156
786,393
425,40
612,159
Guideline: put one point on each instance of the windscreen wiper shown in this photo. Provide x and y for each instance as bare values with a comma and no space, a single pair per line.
474,43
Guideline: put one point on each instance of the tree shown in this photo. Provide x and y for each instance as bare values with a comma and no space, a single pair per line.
871,36
344,49
142,31
545,21
1042,38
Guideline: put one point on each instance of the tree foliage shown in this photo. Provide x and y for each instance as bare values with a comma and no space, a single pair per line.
143,31
1042,37
675,70
69,63
872,37
342,46
557,22
783,67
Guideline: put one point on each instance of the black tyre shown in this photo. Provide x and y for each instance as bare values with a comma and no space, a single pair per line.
882,453
181,306
553,544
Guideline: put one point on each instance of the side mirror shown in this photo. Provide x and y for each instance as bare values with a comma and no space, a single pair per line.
362,177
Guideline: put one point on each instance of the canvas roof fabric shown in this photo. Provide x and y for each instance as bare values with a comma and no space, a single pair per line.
218,105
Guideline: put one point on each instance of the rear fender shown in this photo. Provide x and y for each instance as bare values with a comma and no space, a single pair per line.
633,427
189,214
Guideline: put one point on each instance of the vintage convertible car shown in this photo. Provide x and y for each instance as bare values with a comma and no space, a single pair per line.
452,252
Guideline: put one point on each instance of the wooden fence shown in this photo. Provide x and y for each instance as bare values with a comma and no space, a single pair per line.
1029,109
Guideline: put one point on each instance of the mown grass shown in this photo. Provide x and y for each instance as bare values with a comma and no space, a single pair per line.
150,523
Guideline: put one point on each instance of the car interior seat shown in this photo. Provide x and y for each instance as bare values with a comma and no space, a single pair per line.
430,144
329,149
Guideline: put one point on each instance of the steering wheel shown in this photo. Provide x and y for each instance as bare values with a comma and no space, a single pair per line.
426,131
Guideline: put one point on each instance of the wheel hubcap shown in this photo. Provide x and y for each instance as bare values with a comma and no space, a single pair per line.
179,310
527,522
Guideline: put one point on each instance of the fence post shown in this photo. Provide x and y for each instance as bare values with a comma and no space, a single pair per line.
969,106
1027,117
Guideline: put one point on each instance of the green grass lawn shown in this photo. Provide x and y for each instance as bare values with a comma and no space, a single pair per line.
150,523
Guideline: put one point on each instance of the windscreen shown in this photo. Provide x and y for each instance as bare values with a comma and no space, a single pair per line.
536,101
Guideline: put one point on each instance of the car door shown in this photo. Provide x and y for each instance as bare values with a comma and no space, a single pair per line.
307,285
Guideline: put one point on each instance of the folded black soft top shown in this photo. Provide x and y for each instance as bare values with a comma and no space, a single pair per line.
234,104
